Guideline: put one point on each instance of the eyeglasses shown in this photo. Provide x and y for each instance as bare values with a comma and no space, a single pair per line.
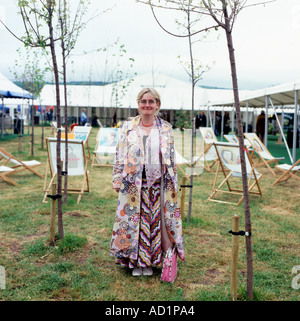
150,102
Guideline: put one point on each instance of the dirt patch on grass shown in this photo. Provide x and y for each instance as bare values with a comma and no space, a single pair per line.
84,254
13,246
78,214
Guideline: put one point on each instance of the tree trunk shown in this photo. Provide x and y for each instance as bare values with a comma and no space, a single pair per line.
58,118
66,131
32,129
242,154
192,122
62,21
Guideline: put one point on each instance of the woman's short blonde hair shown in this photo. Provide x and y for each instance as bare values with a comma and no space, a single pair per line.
153,92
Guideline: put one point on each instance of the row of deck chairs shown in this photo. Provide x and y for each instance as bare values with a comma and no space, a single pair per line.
224,155
266,158
227,159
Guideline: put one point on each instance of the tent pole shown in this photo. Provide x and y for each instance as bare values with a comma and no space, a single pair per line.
295,127
214,120
209,116
266,121
222,124
281,130
2,119
282,122
247,105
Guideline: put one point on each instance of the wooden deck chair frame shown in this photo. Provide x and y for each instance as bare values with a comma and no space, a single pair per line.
103,148
288,172
230,171
180,161
83,133
54,128
78,166
265,157
233,139
19,165
209,138
4,171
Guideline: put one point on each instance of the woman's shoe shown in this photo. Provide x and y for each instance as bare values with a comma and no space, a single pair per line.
147,271
137,271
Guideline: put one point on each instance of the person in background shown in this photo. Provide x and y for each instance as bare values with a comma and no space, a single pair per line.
83,117
202,119
260,126
145,154
197,122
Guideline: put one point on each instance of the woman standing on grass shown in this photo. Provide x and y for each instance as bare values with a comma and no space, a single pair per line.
144,154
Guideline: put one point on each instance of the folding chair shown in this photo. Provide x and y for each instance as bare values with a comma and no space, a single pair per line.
4,171
229,165
209,155
77,167
83,133
265,157
106,144
288,172
54,128
233,139
18,165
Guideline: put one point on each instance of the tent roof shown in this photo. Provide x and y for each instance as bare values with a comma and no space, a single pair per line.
283,94
9,90
175,94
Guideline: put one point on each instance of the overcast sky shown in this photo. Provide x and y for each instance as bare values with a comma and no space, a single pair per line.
266,42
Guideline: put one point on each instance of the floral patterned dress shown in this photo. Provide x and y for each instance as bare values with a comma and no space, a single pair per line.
130,160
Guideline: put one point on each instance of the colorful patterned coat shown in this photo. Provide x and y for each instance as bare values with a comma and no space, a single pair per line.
127,176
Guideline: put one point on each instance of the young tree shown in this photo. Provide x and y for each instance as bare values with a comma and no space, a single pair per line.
39,19
193,67
195,71
70,29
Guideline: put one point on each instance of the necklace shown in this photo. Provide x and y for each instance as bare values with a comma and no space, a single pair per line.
146,125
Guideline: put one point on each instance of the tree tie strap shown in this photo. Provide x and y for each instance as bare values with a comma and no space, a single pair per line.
242,233
189,186
54,197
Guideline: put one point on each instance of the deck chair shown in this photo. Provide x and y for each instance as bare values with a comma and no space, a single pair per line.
106,144
209,155
54,128
265,157
197,165
233,139
77,167
83,133
288,172
230,167
16,164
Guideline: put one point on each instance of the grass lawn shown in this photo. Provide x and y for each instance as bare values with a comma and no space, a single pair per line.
80,268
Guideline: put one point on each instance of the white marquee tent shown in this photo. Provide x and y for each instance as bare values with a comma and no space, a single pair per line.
175,94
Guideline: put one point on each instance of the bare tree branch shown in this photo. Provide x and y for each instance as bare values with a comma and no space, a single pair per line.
178,35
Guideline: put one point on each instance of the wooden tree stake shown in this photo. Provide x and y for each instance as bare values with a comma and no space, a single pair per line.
234,258
183,183
52,216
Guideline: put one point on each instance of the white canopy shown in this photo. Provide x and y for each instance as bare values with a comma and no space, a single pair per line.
9,90
281,95
175,94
